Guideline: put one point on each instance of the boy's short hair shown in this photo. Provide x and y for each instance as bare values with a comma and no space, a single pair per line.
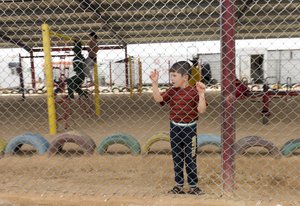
182,67
94,35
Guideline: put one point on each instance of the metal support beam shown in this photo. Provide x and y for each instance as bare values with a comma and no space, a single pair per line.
62,49
126,67
243,9
86,4
18,43
32,69
228,31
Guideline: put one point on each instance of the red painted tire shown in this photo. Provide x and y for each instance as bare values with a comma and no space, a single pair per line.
84,141
254,141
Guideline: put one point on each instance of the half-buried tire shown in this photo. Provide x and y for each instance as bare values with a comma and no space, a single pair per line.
155,138
35,140
123,139
289,147
82,140
208,139
254,141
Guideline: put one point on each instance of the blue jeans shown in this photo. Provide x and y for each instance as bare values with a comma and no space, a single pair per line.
184,150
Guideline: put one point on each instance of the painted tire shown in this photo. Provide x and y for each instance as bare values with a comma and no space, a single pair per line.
254,141
3,144
124,89
289,147
105,91
83,141
123,139
35,140
116,90
155,138
163,89
208,139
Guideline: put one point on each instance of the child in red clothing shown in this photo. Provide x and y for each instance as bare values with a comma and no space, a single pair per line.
185,102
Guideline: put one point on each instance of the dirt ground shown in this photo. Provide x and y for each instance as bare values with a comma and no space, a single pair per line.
119,178
14,200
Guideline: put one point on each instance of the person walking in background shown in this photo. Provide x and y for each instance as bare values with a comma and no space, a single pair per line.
91,60
185,102
74,82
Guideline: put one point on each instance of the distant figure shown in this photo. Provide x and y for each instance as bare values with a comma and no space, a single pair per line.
92,57
60,84
205,73
75,82
186,102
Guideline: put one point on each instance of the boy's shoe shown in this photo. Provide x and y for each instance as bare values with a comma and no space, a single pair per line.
195,191
176,190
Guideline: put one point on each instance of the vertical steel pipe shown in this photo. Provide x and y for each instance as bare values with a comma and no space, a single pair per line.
32,70
49,79
228,92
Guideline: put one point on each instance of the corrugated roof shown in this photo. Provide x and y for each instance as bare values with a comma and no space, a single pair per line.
142,21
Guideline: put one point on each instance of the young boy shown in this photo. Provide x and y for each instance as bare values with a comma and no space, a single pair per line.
185,103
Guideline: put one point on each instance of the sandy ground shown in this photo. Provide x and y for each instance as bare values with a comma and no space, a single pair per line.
119,178
14,200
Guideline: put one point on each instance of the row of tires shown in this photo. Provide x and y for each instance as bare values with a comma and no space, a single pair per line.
89,147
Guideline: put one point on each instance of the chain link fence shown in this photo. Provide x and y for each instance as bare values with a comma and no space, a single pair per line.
113,139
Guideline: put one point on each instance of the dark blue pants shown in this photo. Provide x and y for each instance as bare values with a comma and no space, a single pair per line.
74,84
184,147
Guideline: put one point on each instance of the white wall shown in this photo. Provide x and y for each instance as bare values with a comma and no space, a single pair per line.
284,64
9,77
243,61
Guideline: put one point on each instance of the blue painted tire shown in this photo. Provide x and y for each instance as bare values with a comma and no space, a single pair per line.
35,140
208,139
289,147
123,139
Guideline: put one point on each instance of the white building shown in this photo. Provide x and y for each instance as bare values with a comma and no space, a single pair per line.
255,64
260,64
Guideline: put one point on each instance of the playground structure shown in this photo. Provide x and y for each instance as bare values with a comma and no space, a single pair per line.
266,95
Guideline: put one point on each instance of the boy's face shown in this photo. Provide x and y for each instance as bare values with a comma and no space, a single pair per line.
178,80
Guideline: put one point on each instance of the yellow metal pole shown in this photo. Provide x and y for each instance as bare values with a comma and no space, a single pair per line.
49,79
196,77
130,76
97,95
140,76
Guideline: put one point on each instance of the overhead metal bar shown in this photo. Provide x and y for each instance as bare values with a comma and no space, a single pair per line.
18,43
243,9
61,49
86,4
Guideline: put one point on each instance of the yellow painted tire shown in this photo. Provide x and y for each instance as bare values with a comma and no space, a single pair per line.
3,144
155,138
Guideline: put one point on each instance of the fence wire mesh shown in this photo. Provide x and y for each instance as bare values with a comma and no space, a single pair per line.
117,143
